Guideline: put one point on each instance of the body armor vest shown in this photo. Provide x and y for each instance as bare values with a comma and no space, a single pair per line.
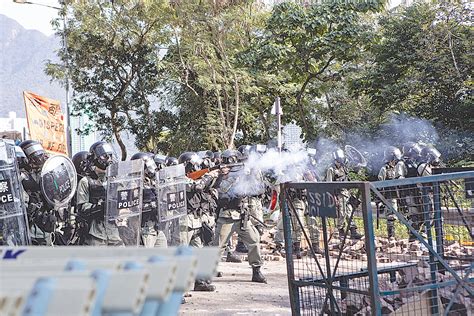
412,169
340,174
30,184
149,195
96,191
389,172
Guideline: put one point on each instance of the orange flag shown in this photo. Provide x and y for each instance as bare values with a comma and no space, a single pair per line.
45,122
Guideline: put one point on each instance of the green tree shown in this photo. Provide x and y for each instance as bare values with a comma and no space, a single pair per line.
307,49
423,64
206,81
113,62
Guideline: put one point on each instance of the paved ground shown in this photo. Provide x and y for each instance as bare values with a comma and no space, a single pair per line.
236,295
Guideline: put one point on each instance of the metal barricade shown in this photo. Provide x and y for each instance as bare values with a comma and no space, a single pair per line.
423,268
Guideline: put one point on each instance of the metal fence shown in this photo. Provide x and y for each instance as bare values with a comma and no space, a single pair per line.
415,258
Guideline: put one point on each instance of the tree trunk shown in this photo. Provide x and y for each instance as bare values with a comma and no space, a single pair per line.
118,138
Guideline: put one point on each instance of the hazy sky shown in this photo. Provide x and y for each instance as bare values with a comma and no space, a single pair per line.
31,16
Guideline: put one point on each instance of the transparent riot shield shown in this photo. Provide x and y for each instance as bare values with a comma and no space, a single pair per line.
171,189
124,202
58,181
13,216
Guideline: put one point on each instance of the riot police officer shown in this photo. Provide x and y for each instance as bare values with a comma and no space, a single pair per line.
171,161
253,208
13,217
41,216
338,171
79,162
217,158
151,232
233,216
431,158
191,226
411,158
160,161
411,194
394,168
91,198
207,157
21,159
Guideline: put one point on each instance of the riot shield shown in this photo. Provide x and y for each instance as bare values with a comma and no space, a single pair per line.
124,201
171,188
13,216
356,159
58,181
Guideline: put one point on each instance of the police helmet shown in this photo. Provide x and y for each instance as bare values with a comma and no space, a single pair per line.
207,157
411,150
21,158
431,155
217,157
191,161
79,162
244,150
392,153
311,155
102,154
171,161
230,156
160,161
339,156
149,164
35,153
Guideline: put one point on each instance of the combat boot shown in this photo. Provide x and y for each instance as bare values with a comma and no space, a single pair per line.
257,276
279,251
241,247
355,234
296,249
232,257
203,286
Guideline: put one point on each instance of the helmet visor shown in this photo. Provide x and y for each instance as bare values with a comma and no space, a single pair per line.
150,167
339,156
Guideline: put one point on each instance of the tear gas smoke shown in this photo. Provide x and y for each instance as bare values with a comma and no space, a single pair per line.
271,167
399,130
324,149
274,167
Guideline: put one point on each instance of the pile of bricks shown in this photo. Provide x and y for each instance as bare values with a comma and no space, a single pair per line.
408,301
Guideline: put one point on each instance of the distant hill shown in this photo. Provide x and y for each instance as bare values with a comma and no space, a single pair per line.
23,54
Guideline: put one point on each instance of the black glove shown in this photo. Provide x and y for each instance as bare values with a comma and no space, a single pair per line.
96,211
45,220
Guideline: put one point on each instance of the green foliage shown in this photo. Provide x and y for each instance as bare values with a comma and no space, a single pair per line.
112,60
309,51
209,83
203,74
422,65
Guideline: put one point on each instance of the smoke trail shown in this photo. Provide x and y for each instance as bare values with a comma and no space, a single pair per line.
402,128
324,149
271,167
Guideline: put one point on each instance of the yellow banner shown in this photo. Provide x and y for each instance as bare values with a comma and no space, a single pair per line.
45,122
